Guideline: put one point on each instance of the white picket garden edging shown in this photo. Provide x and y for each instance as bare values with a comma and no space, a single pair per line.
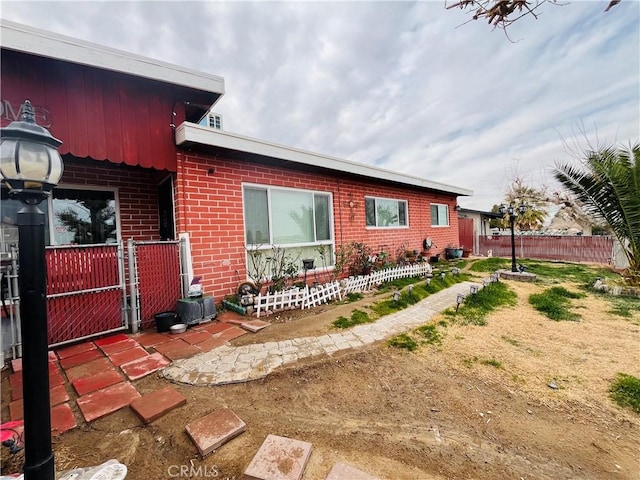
312,296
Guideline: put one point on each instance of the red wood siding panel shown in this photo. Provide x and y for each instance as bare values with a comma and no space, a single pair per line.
96,113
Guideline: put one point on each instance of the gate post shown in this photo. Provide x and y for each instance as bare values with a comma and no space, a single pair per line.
133,287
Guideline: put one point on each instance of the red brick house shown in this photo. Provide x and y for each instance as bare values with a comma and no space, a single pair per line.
132,145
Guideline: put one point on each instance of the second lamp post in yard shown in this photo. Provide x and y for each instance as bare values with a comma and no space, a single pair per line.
513,211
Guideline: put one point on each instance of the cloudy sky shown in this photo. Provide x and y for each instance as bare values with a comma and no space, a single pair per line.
400,85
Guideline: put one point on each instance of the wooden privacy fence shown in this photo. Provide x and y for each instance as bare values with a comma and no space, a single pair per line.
595,249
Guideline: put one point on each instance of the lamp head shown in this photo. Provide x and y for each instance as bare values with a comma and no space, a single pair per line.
30,165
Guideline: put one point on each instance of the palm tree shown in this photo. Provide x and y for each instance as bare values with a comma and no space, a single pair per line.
608,186
536,212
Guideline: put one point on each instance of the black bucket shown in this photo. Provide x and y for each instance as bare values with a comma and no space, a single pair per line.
164,321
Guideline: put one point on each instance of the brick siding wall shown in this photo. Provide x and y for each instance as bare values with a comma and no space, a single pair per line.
137,193
209,208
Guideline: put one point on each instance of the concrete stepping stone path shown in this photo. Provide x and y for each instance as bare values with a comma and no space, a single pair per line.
225,364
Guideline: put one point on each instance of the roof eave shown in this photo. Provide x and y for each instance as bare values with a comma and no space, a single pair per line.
190,134
46,44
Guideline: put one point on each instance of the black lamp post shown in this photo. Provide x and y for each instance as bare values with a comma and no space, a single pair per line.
30,166
513,214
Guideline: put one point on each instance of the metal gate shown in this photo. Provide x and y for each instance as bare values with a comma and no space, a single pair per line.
156,281
86,291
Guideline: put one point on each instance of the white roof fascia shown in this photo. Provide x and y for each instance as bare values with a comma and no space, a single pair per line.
190,132
14,36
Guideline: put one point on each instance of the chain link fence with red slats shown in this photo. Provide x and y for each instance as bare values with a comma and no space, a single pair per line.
158,278
85,291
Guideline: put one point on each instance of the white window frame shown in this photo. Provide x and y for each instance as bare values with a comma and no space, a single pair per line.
94,188
446,207
267,246
376,226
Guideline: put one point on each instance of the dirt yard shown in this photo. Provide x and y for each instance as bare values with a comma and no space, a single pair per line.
476,406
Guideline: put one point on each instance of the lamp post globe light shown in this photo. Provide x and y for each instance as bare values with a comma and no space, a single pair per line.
513,211
30,166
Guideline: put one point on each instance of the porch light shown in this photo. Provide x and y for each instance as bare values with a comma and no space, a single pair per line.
396,296
30,166
429,276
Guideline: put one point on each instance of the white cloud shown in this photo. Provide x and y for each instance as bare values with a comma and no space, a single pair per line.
394,84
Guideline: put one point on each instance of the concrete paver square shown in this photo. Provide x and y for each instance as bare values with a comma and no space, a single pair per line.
254,325
154,405
62,419
15,381
75,350
210,344
231,333
95,382
111,339
279,458
89,369
126,356
196,337
216,327
80,358
57,395
16,365
214,430
144,366
55,379
177,349
343,471
118,346
53,367
106,401
149,339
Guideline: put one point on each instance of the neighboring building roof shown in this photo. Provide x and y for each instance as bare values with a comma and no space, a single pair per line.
190,134
52,45
480,212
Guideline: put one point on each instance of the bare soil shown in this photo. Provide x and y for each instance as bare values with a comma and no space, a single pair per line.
476,406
